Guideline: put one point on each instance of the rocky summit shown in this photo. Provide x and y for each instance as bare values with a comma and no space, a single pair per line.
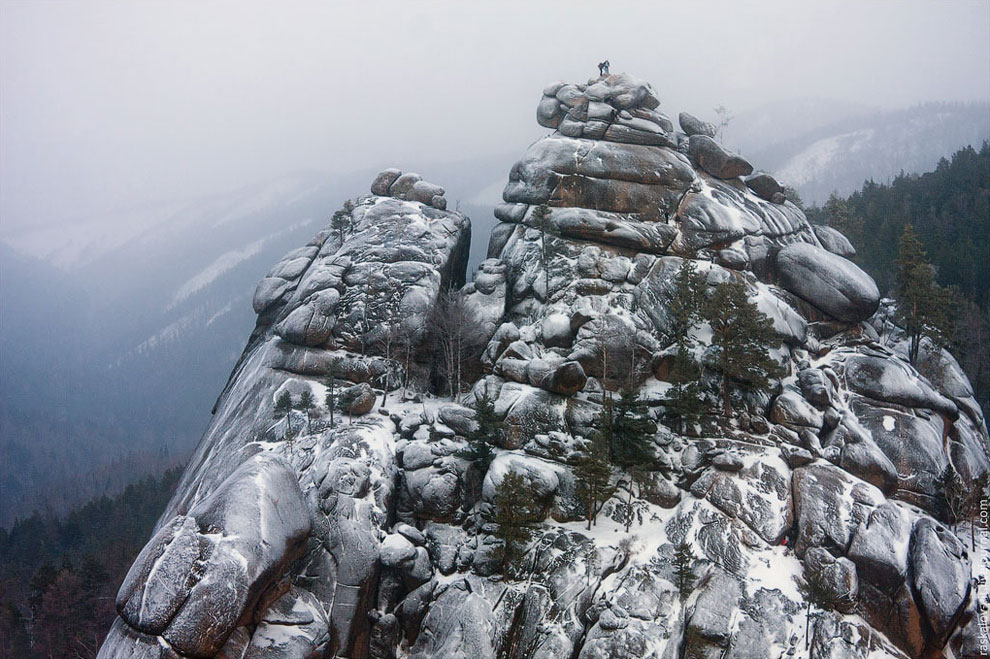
803,519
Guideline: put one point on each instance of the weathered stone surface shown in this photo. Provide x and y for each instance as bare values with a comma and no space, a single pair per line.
123,642
843,471
833,240
694,126
939,574
716,160
827,281
411,186
719,212
829,506
380,186
311,323
837,575
601,175
879,547
261,518
167,560
293,626
765,186
792,410
893,381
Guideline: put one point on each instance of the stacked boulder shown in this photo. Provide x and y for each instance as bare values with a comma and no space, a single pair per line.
378,536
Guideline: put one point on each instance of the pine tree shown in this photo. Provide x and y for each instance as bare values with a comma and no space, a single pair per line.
836,214
283,405
541,220
686,398
332,393
513,498
341,220
306,405
742,338
686,310
484,436
924,308
632,431
683,564
687,303
593,471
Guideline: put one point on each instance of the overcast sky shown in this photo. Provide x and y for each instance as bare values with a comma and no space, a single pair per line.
105,105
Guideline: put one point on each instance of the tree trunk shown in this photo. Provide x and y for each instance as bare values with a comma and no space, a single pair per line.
726,401
629,510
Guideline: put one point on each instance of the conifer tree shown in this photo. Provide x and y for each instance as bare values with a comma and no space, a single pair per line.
632,431
683,564
742,338
484,436
283,405
686,397
332,393
341,220
924,308
686,309
306,405
513,497
593,471
541,220
687,302
836,214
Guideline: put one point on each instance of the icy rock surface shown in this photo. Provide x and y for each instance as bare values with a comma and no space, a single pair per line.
375,536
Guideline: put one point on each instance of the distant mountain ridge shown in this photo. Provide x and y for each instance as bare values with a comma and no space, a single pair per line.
840,155
119,329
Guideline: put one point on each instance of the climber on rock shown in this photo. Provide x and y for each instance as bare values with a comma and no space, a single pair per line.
603,68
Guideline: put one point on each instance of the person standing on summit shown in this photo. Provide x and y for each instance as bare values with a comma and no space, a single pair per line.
603,68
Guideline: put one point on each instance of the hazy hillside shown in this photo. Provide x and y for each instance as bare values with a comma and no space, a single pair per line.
858,144
118,331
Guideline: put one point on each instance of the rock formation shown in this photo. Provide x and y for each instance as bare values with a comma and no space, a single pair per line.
374,537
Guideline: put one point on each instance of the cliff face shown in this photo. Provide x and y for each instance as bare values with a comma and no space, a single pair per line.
374,535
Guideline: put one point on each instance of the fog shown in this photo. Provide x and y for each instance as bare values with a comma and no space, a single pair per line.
109,105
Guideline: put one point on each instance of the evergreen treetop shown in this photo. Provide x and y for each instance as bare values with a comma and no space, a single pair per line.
283,405
742,338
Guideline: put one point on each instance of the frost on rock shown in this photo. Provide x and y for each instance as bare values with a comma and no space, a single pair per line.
813,511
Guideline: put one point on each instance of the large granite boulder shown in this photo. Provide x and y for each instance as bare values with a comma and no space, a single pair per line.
202,571
691,125
716,159
827,281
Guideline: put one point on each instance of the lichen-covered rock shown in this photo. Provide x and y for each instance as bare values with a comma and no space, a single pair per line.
828,281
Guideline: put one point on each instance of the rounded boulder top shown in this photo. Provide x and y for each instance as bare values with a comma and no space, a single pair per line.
409,186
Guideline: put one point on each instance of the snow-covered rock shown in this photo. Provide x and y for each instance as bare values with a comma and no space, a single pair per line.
378,536
828,281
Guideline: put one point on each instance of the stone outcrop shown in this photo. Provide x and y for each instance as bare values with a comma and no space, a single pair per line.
828,281
376,535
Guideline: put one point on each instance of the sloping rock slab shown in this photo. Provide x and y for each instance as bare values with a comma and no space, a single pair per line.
829,282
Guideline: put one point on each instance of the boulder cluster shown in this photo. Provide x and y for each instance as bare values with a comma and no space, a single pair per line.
815,512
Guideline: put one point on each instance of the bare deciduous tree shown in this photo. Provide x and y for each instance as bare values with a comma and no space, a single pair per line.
458,339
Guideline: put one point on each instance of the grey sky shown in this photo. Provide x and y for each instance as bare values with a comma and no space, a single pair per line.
109,104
